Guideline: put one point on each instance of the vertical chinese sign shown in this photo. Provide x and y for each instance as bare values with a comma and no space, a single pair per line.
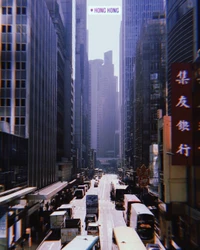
181,93
196,113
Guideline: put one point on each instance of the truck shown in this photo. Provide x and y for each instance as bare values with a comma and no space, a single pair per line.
57,219
71,230
117,191
69,208
128,200
92,204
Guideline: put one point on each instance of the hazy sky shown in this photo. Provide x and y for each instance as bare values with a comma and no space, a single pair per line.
103,31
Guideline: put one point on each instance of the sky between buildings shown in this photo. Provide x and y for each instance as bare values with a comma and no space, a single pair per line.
103,31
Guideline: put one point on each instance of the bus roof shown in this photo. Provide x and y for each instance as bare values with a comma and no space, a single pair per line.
131,197
140,208
81,242
65,206
127,239
50,245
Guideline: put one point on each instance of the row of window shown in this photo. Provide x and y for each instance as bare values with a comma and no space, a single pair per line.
18,84
18,120
8,28
8,47
18,65
8,10
6,102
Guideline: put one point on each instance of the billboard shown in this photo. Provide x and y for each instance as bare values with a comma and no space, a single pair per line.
182,118
196,113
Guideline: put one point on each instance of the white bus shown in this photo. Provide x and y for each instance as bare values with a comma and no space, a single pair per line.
142,220
50,245
128,200
126,238
83,242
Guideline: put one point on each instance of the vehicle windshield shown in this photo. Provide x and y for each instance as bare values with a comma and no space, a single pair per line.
145,226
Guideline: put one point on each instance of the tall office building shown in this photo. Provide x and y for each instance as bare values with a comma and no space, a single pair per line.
81,83
106,108
28,101
68,8
95,68
183,42
134,14
150,84
58,19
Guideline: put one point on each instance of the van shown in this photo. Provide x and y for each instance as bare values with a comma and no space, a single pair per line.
93,228
90,218
82,187
79,193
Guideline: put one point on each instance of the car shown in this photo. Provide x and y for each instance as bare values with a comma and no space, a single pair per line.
90,218
93,228
96,184
152,246
79,193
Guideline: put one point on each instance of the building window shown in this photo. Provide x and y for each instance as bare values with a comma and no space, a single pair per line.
8,119
3,84
6,28
5,102
23,102
17,102
21,10
6,10
23,84
16,120
8,83
6,46
5,65
22,120
2,118
9,29
20,47
17,85
3,28
20,65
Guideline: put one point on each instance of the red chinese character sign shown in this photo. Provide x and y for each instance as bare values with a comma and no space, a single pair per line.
196,112
181,94
143,174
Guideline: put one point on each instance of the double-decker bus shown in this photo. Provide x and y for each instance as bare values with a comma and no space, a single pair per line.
142,220
126,238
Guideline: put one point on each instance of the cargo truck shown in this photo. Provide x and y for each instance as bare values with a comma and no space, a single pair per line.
71,230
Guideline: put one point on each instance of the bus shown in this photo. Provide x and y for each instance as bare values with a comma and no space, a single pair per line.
128,200
83,242
142,220
126,238
50,245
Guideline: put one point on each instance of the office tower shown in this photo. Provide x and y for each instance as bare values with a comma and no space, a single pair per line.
106,108
29,83
81,83
68,8
182,203
134,14
95,68
150,84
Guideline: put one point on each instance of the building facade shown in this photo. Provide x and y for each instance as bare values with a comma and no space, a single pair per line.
134,14
29,83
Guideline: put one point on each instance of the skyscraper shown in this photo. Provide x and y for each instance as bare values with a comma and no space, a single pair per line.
28,101
81,83
134,14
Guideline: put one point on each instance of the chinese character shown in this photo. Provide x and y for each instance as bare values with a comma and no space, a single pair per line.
183,125
182,102
183,149
182,77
